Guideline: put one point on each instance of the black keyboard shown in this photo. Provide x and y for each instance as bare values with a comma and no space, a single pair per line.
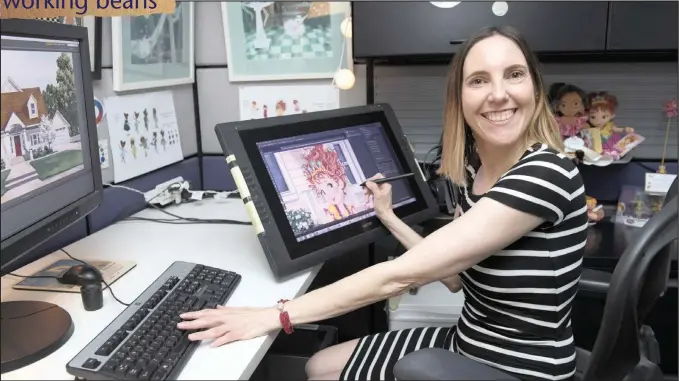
143,342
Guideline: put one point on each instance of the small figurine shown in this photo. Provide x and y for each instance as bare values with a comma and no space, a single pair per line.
594,213
601,115
569,103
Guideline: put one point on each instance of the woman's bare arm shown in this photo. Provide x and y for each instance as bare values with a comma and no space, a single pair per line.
401,231
442,254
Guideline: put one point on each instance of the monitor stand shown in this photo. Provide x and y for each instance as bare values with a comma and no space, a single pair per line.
31,330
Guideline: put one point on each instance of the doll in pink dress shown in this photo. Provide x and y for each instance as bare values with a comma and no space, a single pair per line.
601,115
569,103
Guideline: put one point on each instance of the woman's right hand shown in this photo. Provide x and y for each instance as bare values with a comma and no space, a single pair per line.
381,194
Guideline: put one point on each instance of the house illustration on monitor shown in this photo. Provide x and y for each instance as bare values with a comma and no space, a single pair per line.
25,127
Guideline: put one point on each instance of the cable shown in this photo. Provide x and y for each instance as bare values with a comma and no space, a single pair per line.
56,277
177,219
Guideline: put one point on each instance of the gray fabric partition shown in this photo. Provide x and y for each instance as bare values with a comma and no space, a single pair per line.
417,94
119,203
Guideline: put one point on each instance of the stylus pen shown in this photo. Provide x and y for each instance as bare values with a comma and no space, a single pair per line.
389,179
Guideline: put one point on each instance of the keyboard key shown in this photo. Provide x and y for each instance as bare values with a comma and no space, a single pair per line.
91,363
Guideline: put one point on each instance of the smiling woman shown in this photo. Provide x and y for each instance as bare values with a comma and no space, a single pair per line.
516,249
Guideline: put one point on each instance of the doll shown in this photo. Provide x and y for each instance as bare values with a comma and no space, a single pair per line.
569,103
601,115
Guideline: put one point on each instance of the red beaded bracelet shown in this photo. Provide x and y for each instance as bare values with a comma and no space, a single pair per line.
284,317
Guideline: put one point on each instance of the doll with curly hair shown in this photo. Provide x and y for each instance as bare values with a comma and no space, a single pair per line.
601,115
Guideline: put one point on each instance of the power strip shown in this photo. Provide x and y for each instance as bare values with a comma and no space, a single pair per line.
162,196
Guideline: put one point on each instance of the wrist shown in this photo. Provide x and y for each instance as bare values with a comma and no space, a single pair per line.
386,215
272,319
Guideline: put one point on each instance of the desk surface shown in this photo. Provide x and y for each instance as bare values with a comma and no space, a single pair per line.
154,246
607,241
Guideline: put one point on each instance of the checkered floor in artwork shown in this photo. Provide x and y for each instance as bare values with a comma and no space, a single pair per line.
62,20
315,43
51,19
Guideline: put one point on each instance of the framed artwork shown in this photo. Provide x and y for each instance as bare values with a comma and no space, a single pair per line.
283,40
154,51
93,25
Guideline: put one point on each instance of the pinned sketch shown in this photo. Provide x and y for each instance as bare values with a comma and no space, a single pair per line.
257,102
103,153
144,133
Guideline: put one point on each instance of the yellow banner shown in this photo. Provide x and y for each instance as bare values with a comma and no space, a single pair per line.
32,9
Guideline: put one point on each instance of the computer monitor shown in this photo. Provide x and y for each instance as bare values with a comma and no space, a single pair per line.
51,175
300,175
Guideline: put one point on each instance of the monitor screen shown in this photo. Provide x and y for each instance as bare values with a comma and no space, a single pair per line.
317,176
44,141
300,177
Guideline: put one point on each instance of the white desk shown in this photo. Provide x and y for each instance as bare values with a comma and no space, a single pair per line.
154,246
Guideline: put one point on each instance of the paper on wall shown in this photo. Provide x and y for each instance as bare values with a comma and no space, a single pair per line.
103,153
263,101
144,133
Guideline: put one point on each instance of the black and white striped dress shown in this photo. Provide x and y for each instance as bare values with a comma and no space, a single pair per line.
517,308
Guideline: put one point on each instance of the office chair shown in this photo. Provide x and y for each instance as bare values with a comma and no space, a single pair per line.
624,349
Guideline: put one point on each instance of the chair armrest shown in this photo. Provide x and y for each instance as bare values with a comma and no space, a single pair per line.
442,364
594,283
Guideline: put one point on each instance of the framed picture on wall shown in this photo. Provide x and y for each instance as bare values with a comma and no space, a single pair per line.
154,51
283,40
93,25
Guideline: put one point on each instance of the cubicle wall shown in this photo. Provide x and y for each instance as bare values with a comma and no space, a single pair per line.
218,98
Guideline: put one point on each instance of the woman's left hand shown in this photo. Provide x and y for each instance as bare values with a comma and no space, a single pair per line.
228,324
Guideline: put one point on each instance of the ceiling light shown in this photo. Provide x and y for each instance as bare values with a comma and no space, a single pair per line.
500,8
445,4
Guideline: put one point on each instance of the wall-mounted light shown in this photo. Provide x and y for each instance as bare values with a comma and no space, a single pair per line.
445,4
346,27
345,79
500,8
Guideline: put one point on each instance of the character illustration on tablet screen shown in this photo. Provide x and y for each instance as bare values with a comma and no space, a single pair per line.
328,178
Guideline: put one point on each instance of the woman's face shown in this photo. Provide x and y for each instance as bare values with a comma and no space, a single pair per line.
498,97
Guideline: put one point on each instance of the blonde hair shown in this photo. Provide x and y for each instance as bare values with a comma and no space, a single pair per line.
457,141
